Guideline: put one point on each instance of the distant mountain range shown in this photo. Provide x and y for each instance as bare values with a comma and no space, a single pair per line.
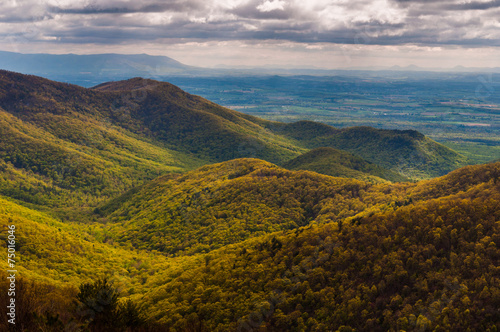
89,70
92,69
118,65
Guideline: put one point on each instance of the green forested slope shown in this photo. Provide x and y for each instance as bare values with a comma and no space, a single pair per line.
226,203
428,266
406,152
199,126
66,145
260,247
333,162
53,251
460,180
49,169
54,258
408,257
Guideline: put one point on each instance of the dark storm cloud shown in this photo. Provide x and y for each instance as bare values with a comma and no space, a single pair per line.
177,6
181,29
24,19
451,5
473,5
436,7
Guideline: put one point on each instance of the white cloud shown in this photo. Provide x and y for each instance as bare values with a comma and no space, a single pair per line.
268,6
309,25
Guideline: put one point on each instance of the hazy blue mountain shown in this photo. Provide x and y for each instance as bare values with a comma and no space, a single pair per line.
92,69
88,70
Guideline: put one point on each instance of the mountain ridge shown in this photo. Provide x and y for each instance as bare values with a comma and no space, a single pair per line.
128,132
333,162
437,250
107,64
407,152
220,202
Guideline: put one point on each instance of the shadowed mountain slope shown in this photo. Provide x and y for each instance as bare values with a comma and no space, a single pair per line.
333,162
407,152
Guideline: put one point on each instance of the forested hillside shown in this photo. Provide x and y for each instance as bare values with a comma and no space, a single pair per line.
330,161
64,145
418,256
226,203
181,212
406,152
431,265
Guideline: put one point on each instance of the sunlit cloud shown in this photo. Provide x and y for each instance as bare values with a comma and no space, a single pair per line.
268,6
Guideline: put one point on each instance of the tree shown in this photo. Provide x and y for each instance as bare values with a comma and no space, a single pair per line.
101,309
130,314
99,304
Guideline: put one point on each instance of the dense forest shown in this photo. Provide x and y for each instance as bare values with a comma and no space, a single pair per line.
431,265
226,203
418,256
134,212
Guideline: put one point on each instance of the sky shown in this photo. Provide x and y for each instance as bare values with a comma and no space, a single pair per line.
277,33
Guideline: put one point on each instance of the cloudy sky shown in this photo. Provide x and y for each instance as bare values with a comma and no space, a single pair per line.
292,33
